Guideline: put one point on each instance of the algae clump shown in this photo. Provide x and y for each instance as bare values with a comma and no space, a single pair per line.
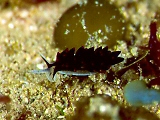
91,21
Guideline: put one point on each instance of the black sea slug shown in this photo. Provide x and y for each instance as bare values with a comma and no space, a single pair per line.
82,62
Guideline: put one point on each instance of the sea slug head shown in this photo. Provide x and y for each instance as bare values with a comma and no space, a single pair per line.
49,71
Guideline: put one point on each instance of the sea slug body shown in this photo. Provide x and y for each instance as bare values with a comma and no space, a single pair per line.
83,62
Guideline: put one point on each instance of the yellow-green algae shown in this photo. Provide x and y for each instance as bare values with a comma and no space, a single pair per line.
90,21
31,30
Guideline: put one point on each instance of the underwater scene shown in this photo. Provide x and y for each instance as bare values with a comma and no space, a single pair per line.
79,60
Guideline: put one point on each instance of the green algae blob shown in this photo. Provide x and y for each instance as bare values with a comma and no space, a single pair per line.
88,22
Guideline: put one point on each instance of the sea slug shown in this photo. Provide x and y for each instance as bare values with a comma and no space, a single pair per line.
82,62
